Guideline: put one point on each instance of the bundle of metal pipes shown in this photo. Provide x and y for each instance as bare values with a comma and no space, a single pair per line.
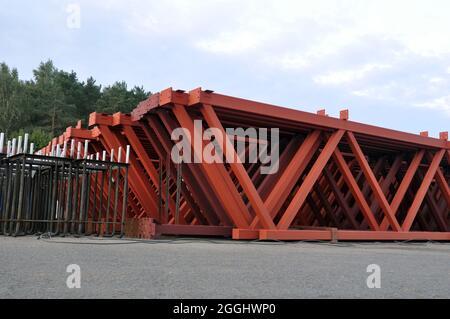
314,177
61,192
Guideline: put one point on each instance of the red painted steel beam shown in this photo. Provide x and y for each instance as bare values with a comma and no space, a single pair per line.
198,96
216,174
382,201
351,235
390,177
309,181
356,191
421,192
366,189
340,199
196,180
193,230
136,181
441,180
146,162
286,157
291,174
238,169
404,186
327,207
198,183
433,207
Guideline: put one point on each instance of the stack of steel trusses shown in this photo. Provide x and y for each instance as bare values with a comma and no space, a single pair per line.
332,178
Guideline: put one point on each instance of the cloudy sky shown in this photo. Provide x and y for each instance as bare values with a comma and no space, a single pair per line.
386,61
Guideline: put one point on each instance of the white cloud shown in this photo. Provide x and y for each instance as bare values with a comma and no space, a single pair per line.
291,61
437,81
315,52
379,50
230,43
348,76
306,29
440,103
391,91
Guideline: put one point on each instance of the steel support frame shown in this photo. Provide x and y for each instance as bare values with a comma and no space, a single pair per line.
306,190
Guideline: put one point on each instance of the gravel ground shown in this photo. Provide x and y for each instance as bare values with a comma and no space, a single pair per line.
194,268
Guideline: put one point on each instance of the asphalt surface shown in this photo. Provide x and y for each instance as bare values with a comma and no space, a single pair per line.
193,268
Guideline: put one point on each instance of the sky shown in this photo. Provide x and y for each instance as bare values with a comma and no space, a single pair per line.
388,62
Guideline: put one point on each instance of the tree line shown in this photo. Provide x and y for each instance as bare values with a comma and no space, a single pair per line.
54,99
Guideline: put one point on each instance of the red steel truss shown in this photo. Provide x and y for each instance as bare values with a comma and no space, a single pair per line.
175,209
337,179
153,192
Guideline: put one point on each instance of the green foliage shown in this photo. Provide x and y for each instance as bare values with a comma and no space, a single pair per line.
117,98
39,137
11,98
55,99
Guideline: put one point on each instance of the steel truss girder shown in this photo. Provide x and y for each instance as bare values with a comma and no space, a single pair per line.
333,173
